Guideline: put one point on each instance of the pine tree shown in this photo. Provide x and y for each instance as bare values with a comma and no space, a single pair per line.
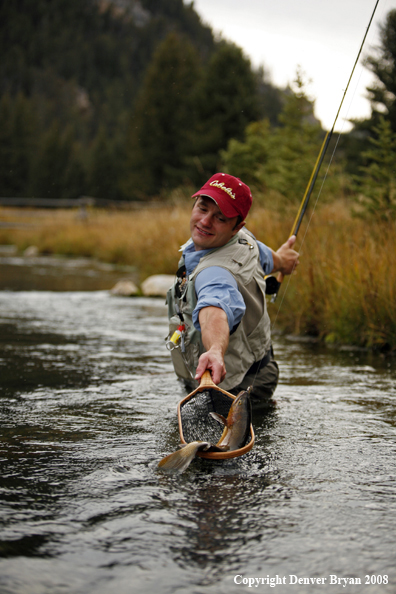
295,144
280,158
18,128
57,172
159,131
248,158
382,96
102,176
6,168
227,101
383,93
377,186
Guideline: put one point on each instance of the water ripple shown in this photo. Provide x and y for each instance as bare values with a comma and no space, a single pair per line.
88,407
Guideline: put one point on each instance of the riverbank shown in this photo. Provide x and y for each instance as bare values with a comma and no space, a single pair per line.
343,291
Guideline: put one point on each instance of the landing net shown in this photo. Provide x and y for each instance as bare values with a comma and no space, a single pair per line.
197,423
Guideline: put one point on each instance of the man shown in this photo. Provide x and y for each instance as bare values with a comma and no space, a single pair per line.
217,310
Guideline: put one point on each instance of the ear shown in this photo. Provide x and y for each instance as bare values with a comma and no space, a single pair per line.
238,227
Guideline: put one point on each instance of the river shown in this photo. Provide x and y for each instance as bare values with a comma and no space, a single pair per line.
88,408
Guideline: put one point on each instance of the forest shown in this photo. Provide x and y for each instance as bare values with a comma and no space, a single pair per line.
123,100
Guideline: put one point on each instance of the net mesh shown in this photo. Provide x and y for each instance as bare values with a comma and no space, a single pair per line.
197,423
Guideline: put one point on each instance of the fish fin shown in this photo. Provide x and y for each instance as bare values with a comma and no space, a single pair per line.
177,462
219,418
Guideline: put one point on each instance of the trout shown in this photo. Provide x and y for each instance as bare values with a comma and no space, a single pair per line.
237,423
236,430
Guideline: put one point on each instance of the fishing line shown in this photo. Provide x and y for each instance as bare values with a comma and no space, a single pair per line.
344,119
324,147
315,172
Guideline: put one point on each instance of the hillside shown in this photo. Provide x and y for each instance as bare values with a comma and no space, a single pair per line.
86,52
70,75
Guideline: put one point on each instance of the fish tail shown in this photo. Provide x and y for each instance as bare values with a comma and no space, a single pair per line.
180,460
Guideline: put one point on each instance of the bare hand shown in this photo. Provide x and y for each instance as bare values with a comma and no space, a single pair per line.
286,258
213,361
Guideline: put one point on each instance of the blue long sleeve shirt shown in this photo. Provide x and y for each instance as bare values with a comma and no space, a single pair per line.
215,286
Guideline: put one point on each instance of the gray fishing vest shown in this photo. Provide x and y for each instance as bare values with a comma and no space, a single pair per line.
252,338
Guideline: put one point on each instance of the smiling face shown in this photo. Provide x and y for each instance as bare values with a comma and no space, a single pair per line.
209,227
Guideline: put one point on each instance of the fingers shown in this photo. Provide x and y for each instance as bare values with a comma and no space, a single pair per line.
290,256
201,368
213,364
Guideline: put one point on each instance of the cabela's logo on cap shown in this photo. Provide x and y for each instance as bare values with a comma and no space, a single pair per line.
221,186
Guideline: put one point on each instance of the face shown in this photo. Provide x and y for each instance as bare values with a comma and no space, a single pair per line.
209,227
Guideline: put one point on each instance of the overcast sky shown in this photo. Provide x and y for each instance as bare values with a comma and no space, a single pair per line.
323,38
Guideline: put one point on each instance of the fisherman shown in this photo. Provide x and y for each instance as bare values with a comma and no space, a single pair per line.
218,319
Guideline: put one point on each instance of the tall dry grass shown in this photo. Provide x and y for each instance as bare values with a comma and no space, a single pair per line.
146,239
343,291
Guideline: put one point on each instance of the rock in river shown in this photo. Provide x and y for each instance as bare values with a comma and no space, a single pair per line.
125,288
157,285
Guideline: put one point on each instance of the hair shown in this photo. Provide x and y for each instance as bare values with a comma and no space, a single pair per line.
239,221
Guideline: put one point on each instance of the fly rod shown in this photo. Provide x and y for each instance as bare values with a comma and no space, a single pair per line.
319,161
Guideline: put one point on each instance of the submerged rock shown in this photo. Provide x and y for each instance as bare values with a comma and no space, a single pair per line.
157,285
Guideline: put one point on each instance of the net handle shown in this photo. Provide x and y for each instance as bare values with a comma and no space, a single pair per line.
206,380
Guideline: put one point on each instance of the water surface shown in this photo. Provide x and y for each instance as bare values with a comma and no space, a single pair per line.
88,408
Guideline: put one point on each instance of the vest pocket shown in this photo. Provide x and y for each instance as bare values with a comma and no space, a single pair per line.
185,362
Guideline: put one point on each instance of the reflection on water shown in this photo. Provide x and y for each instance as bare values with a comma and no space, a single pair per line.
88,408
49,273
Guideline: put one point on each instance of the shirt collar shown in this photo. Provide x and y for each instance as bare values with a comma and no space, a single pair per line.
193,256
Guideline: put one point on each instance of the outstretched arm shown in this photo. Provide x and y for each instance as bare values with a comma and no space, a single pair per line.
215,336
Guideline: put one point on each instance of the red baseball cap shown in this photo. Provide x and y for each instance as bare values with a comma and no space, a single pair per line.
231,195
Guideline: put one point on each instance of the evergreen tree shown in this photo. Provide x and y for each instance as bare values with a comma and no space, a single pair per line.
270,98
227,101
383,93
74,180
81,62
18,128
102,177
6,160
295,145
377,186
57,171
159,131
280,158
382,96
247,159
